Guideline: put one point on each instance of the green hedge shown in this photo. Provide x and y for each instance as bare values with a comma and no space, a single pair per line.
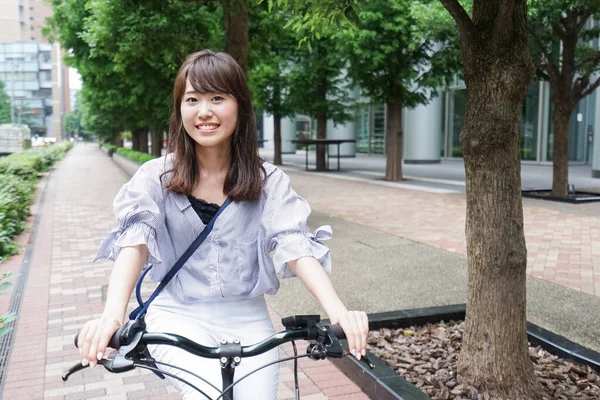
18,178
137,156
110,146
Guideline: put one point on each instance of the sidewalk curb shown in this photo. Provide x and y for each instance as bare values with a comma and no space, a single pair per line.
128,166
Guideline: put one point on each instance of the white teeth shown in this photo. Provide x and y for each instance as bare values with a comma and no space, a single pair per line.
208,127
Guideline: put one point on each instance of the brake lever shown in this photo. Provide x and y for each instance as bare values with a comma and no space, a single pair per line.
333,348
78,367
75,368
364,359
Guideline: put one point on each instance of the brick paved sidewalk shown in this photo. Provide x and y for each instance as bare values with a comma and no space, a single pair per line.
64,290
563,240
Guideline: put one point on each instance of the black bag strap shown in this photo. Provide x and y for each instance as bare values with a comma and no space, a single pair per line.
140,311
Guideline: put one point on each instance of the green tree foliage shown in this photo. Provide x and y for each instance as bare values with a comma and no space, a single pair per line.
320,86
401,53
4,105
128,54
271,55
313,19
72,123
561,37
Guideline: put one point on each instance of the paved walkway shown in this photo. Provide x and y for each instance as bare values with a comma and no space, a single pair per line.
563,240
64,289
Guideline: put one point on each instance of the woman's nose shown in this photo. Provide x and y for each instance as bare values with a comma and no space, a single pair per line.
204,110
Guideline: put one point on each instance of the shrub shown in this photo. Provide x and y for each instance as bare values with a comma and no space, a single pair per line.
16,195
25,165
110,146
137,156
18,178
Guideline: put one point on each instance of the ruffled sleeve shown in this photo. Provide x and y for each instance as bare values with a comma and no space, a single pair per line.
285,223
137,208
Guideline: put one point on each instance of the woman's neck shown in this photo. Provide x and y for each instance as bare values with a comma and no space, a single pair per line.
213,160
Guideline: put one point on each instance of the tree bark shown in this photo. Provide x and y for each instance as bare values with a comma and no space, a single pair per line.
277,139
117,141
135,140
321,116
394,142
321,134
156,138
143,139
560,151
494,354
236,23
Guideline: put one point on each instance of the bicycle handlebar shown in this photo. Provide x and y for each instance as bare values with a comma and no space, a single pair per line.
131,341
169,339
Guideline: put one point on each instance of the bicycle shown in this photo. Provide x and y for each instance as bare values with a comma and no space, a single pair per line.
131,341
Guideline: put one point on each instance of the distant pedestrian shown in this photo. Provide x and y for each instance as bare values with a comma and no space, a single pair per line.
212,158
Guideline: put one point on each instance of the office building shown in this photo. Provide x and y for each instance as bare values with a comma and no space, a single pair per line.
32,69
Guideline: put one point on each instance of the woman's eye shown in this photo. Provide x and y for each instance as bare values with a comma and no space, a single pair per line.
218,98
190,100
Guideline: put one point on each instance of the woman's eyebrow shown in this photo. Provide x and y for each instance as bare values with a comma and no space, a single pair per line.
191,92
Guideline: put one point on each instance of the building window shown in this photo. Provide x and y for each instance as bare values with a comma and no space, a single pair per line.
456,114
529,122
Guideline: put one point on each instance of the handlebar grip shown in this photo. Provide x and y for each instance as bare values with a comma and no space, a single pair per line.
114,343
338,331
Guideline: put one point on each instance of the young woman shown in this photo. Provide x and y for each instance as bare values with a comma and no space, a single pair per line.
262,235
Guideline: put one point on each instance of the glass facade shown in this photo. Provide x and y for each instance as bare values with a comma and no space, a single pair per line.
537,133
537,130
530,122
371,129
21,72
457,102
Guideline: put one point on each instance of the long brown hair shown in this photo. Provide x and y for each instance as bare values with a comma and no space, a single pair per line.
211,72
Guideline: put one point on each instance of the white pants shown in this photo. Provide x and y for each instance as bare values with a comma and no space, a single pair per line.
207,323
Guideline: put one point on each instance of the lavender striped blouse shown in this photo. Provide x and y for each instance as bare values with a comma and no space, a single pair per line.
247,249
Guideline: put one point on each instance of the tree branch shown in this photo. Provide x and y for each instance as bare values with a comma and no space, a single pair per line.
585,15
595,59
558,30
580,84
543,74
590,89
553,71
456,11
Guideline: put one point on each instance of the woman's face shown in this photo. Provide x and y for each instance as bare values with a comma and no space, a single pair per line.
209,118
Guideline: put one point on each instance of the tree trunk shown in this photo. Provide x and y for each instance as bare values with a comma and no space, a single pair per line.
156,138
117,141
394,142
494,354
135,140
143,139
560,151
321,134
236,23
277,139
321,119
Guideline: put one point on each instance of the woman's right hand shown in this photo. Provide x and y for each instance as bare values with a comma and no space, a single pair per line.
94,337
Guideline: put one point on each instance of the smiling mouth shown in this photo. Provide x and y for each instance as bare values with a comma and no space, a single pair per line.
207,127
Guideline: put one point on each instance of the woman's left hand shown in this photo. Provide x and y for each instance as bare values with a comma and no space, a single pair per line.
356,327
